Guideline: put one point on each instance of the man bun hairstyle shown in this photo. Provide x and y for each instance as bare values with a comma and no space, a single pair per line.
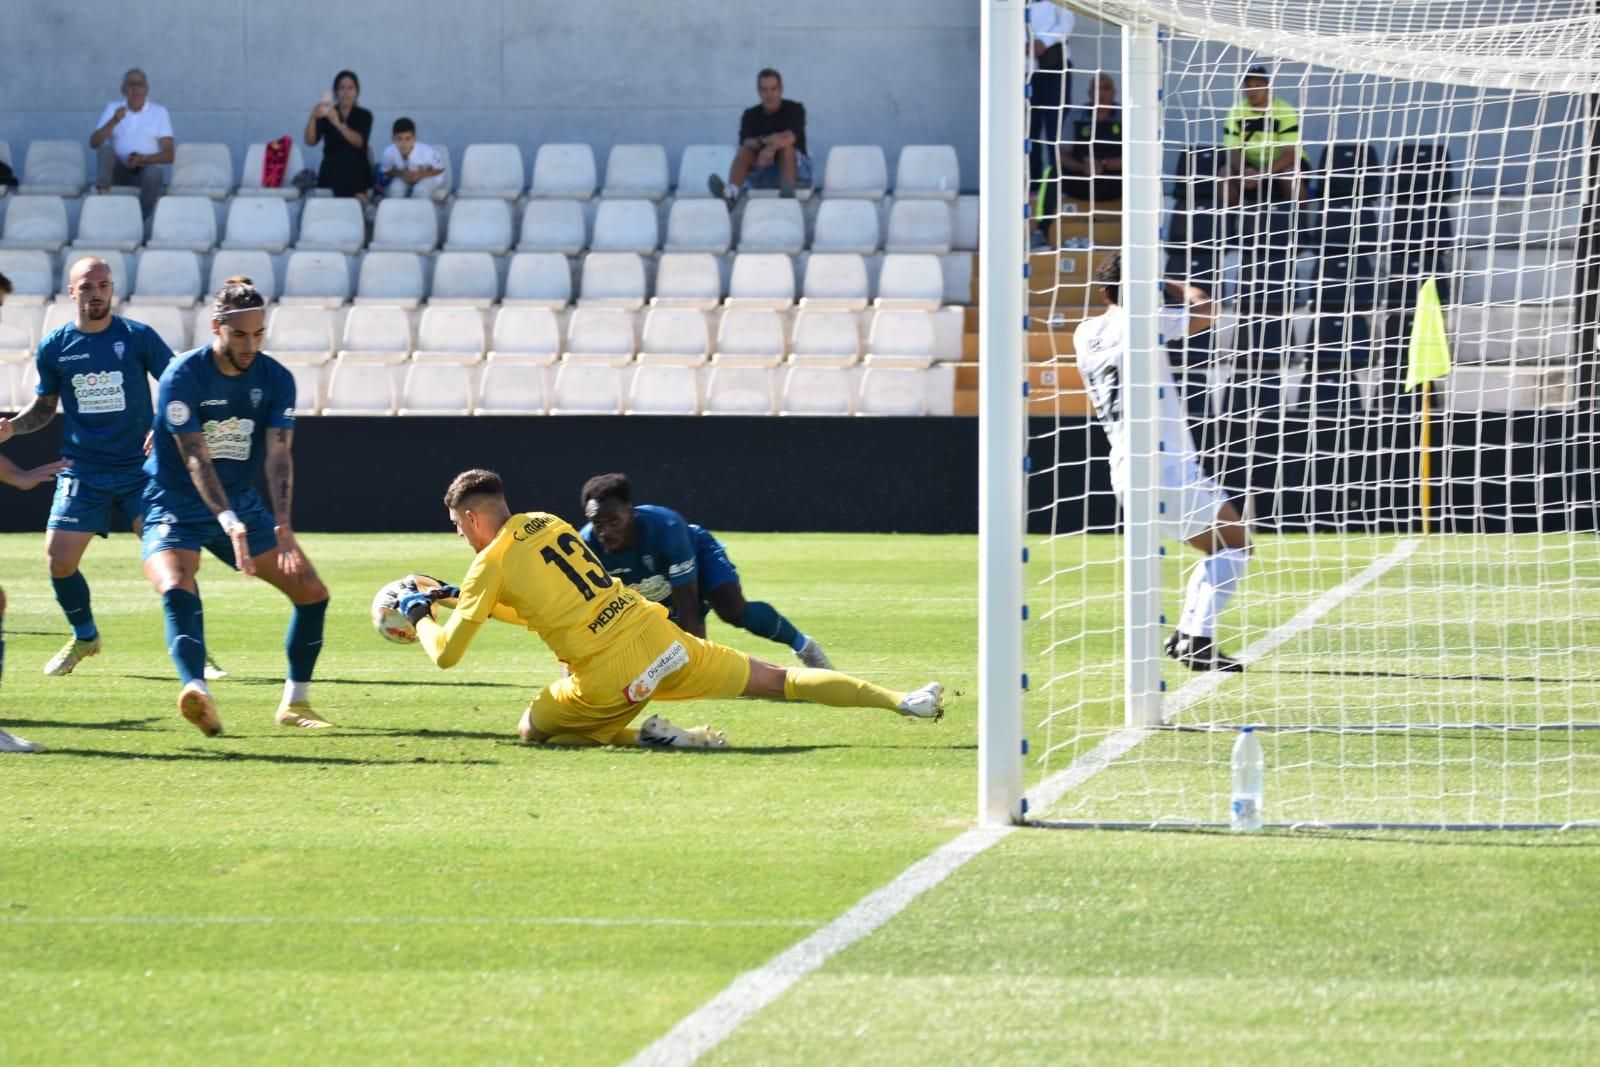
1109,275
475,482
237,294
603,487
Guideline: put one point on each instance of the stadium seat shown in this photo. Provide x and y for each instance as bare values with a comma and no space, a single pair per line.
359,389
960,275
612,279
509,388
201,168
300,334
538,279
688,279
184,222
118,261
253,264
626,226
38,222
900,339
32,277
892,391
816,391
702,225
57,314
391,278
525,335
450,335
762,280
17,382
636,171
1527,334
663,389
910,280
464,278
491,170
587,389
738,390
442,192
250,173
772,226
855,170
750,337
675,335
320,279
919,226
563,172
19,337
835,280
825,338
110,222
927,172
438,389
165,320
698,163
964,224
846,226
600,335
170,276
376,335
405,226
553,226
257,222
332,223
309,388
479,225
54,168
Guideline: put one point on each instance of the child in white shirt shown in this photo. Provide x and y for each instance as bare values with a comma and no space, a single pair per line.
411,167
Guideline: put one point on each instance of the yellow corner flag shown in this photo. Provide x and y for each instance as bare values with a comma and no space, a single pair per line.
1429,355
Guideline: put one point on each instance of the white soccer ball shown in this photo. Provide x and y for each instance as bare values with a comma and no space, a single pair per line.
387,618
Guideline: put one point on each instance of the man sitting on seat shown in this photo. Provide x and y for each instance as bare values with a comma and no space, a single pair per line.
133,138
1262,136
772,146
1091,166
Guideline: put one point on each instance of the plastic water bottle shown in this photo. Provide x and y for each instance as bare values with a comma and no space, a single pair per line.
1248,771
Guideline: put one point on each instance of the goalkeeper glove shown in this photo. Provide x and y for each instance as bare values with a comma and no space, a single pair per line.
656,587
416,606
437,591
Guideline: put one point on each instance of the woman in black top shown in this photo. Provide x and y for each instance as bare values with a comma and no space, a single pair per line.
346,168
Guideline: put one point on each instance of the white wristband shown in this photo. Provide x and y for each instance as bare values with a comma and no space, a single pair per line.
228,520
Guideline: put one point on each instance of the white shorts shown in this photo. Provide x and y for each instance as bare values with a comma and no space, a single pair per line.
1190,500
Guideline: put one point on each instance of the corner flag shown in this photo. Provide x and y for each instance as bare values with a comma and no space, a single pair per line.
1429,355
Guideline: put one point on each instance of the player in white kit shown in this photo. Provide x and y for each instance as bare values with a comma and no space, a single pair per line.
1193,508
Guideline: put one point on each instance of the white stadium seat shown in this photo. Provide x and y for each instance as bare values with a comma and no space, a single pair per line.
464,278
600,335
491,170
201,168
165,320
750,337
525,335
663,389
110,222
332,223
835,280
38,222
300,334
509,388
675,335
310,388
405,226
825,338
855,170
587,389
927,171
626,226
959,276
699,162
257,222
892,391
169,277
54,168
19,337
450,335
847,226
563,172
359,389
538,279
762,279
553,226
738,390
481,225
772,226
250,173
919,226
900,339
910,280
438,389
321,279
57,314
612,279
391,278
32,277
688,279
184,222
816,391
699,226
376,335
636,171
118,261
964,224
255,265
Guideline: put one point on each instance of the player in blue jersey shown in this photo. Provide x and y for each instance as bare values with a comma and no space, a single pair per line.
680,565
224,413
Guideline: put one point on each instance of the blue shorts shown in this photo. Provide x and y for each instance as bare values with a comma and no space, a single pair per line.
711,562
84,500
166,527
767,177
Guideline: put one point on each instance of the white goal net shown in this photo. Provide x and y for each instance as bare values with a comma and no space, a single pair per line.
1381,219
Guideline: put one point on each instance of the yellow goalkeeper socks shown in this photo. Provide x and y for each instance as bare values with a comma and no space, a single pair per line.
836,690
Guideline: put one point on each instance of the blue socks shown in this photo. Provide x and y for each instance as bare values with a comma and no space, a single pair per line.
186,634
303,642
72,593
763,620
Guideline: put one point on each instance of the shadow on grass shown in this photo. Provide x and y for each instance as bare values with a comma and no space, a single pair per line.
225,756
276,681
111,724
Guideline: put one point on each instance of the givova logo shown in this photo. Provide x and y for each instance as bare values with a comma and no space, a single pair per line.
229,438
99,392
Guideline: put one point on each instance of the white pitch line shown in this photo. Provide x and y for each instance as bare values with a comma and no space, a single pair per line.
712,1023
386,920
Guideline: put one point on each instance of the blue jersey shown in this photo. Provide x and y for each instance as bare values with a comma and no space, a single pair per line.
663,544
103,380
234,414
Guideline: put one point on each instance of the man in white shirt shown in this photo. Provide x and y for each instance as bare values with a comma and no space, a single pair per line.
133,139
412,167
1193,508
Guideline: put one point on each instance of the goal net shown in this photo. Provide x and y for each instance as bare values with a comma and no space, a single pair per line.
1380,218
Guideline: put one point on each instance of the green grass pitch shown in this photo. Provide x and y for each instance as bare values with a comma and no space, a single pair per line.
416,887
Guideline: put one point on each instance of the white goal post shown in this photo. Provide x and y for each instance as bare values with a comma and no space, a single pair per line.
1393,208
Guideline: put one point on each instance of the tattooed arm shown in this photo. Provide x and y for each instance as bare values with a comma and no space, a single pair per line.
30,418
279,469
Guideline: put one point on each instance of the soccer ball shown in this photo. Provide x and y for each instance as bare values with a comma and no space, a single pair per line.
387,618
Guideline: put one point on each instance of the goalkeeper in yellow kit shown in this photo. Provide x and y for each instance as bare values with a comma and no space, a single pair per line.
620,650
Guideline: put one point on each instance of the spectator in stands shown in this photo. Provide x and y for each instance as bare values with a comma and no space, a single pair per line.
411,167
772,145
1049,83
132,139
1262,138
1091,167
346,166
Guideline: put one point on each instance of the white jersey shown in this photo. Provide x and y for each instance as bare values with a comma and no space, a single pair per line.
1102,347
139,131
